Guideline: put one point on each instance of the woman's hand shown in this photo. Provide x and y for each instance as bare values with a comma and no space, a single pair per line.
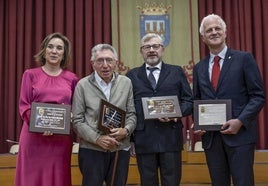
47,133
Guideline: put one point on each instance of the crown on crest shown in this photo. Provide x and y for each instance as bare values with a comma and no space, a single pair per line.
154,9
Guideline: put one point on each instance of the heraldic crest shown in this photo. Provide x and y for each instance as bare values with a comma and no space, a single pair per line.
155,19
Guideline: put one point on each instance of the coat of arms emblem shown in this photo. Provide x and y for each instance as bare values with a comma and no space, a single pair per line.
155,19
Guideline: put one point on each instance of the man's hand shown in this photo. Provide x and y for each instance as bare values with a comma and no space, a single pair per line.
106,142
198,132
118,133
231,127
166,119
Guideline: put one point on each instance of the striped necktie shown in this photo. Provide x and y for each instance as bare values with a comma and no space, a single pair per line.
151,76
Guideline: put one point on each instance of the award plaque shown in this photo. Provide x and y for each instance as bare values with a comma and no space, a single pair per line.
210,115
110,117
50,117
161,107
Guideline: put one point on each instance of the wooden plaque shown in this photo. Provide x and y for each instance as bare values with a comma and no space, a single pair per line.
50,117
110,117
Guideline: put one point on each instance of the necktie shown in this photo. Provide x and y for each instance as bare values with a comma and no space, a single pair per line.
215,72
151,76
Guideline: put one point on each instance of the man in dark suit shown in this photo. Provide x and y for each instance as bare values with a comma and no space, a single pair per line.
229,152
158,142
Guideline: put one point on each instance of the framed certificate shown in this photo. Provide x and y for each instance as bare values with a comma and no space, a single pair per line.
210,115
110,117
50,117
161,107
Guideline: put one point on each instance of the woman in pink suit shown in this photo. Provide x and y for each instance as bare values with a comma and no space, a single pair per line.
44,158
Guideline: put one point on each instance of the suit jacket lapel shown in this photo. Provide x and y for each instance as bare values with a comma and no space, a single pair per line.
143,75
226,66
163,74
204,69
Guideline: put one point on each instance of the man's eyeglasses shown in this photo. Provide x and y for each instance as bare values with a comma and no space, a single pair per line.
100,61
148,47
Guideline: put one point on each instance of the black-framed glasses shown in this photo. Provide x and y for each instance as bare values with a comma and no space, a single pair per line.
154,46
100,61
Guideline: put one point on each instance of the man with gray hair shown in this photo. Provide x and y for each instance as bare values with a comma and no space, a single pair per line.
158,142
103,155
233,75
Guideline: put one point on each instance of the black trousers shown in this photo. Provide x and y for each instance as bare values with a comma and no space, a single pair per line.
168,164
97,167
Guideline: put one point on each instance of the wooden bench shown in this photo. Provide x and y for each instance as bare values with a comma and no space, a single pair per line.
194,169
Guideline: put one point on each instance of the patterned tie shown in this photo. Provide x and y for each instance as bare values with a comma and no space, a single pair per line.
151,76
215,72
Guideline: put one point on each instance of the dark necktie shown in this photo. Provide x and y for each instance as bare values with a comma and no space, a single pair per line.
151,76
215,72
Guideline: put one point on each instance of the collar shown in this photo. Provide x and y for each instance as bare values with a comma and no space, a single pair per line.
159,66
221,54
100,80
